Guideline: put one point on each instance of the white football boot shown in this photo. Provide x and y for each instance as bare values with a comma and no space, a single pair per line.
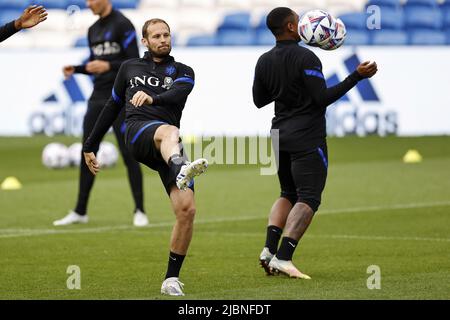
172,287
189,171
140,219
71,218
264,259
287,268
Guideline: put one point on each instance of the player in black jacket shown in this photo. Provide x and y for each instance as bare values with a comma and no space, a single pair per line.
112,40
291,76
32,16
153,90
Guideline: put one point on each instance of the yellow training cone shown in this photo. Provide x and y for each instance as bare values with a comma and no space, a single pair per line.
11,183
412,156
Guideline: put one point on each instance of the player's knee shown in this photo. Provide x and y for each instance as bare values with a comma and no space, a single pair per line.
290,196
186,213
312,202
171,133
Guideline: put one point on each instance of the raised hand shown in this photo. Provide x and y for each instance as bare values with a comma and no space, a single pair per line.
31,16
367,69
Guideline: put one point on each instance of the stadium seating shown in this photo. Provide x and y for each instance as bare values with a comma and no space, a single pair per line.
357,37
202,40
236,21
428,37
392,19
55,4
14,4
389,37
263,37
9,15
216,22
394,4
422,3
125,4
356,21
80,3
429,18
230,37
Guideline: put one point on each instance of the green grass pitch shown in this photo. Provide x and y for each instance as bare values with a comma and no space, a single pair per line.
376,210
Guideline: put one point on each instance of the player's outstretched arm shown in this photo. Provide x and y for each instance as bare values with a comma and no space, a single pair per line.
109,113
315,81
31,16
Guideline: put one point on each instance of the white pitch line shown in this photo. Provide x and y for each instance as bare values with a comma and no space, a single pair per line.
14,233
356,237
387,207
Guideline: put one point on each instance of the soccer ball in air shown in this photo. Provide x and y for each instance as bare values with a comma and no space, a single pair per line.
75,154
338,37
107,155
55,156
316,27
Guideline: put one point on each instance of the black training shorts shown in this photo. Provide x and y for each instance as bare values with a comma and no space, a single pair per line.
303,175
139,140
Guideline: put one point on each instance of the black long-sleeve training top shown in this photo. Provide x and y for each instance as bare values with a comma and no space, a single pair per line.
112,39
292,76
7,31
169,83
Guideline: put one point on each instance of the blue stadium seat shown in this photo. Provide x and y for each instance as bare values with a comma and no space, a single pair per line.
236,21
447,19
236,38
392,19
385,3
202,40
262,23
422,3
14,4
54,4
355,20
264,37
79,3
9,15
389,38
427,37
357,37
419,18
125,4
81,42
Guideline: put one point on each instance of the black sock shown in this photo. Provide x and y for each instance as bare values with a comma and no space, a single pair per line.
272,238
175,263
287,248
176,161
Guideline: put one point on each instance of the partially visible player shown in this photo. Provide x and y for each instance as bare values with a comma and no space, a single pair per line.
32,16
291,76
112,40
153,90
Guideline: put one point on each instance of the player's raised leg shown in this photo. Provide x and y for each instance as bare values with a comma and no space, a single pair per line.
183,205
167,141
